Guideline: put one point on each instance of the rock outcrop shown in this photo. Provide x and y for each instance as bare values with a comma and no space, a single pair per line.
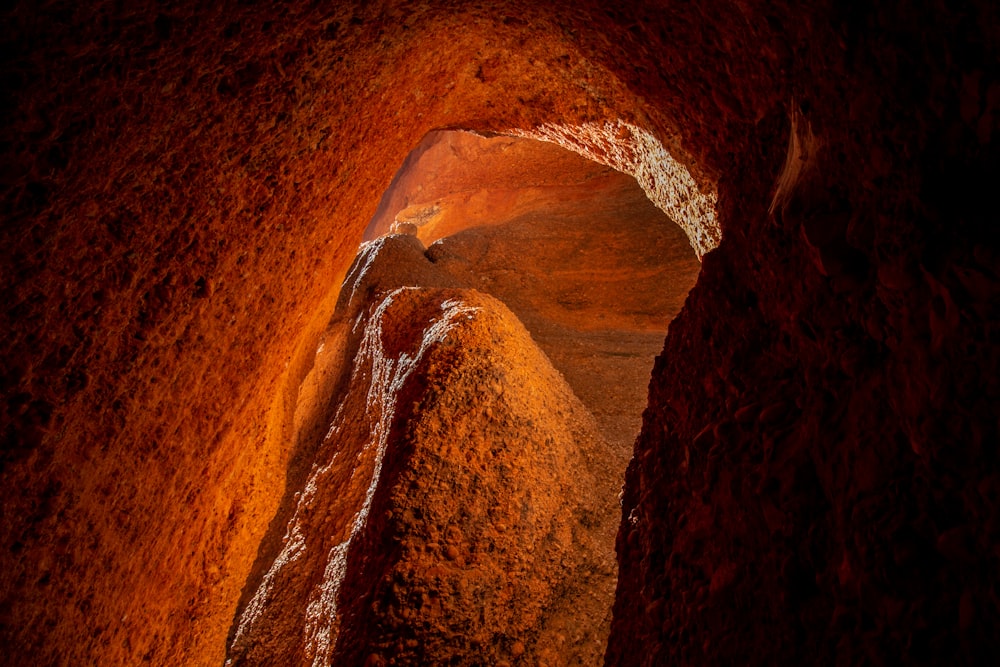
592,267
459,508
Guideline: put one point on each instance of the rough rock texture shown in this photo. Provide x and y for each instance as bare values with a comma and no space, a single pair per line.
596,291
538,507
183,186
454,178
460,499
636,151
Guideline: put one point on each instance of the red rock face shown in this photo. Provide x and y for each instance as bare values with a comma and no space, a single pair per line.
183,189
455,180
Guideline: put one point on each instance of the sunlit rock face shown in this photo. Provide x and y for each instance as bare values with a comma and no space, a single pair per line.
456,180
459,508
184,187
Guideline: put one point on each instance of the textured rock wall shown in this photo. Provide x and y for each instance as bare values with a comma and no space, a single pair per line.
576,250
182,187
816,477
637,152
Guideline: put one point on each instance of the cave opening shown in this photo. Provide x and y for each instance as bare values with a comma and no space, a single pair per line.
575,248
471,410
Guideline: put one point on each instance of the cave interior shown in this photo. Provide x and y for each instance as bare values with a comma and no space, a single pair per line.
505,333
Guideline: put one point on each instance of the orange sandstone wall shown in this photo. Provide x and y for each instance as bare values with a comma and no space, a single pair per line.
183,187
455,180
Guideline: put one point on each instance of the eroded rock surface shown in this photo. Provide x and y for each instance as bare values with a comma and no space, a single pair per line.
486,527
459,509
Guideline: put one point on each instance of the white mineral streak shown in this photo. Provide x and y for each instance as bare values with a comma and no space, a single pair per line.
386,380
635,151
367,252
385,377
295,544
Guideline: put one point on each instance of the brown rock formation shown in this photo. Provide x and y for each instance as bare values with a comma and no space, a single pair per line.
183,187
459,500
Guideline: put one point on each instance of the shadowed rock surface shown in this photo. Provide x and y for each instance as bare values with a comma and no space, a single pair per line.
596,290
